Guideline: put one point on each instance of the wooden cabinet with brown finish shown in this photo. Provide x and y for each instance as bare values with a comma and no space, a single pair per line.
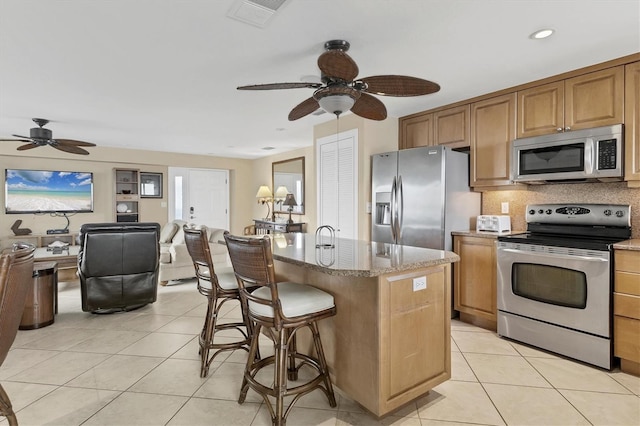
448,127
451,127
493,123
416,130
474,280
632,124
590,100
626,310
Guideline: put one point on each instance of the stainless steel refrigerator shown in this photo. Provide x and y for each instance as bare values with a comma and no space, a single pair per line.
420,195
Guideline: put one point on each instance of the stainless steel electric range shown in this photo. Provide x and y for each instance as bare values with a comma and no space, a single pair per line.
555,280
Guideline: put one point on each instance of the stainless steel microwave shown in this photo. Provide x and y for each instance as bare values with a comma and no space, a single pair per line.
578,156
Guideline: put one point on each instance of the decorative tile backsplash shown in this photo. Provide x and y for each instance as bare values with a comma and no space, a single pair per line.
598,193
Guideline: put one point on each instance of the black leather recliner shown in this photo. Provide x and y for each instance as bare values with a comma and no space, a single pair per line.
118,265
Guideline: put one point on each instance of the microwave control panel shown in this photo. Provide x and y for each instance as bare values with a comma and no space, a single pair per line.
607,154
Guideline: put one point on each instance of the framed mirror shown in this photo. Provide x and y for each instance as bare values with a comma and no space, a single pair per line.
288,178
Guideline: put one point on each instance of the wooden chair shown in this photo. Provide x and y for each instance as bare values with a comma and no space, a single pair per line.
279,310
16,273
219,289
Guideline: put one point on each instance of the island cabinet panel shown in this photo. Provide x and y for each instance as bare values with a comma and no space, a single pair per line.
493,124
632,124
387,345
416,324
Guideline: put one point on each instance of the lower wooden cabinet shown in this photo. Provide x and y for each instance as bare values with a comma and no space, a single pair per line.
474,280
626,310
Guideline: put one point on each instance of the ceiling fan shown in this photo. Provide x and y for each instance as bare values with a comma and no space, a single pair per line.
340,91
39,136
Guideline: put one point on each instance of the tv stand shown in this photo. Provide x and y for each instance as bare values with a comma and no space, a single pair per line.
39,240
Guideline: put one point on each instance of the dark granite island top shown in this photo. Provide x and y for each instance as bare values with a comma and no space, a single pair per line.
390,340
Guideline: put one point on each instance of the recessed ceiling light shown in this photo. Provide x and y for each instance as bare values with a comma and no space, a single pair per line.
268,148
541,34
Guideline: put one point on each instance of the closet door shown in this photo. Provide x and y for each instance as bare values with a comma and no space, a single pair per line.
337,180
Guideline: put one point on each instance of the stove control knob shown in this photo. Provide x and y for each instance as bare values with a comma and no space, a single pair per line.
532,211
607,212
540,211
549,211
619,213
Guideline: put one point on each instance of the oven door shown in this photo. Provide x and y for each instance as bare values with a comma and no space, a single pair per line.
563,286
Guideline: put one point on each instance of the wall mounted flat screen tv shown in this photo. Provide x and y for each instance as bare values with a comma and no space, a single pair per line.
42,191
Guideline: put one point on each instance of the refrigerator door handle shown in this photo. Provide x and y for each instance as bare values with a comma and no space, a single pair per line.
393,209
399,213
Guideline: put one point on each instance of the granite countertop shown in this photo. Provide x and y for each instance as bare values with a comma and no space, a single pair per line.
485,234
355,258
632,244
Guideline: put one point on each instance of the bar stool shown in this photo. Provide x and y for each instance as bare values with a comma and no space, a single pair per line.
279,310
219,289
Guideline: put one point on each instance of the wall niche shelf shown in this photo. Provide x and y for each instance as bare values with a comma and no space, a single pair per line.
127,195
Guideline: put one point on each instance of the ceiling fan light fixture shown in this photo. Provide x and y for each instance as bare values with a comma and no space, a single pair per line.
336,104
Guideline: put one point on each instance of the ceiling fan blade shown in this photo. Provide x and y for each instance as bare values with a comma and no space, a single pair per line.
22,137
275,86
399,85
72,142
370,107
306,107
71,149
15,140
337,64
27,146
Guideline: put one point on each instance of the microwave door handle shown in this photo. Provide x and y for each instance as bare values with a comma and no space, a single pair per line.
588,156
394,190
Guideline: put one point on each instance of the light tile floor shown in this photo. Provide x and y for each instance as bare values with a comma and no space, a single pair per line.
142,367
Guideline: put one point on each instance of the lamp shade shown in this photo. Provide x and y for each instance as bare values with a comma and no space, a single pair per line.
281,192
290,200
263,192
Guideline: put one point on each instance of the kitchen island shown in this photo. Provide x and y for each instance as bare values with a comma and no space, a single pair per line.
389,342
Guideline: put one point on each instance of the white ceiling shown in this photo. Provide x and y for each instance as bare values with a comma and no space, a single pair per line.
162,74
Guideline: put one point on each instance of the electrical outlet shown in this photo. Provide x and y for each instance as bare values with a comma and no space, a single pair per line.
505,207
419,283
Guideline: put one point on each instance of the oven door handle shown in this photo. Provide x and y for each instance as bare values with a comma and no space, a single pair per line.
555,255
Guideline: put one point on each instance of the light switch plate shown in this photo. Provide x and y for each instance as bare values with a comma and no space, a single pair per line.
505,207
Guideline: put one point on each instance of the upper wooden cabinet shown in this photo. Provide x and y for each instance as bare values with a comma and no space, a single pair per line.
493,127
632,124
590,100
451,127
416,131
448,127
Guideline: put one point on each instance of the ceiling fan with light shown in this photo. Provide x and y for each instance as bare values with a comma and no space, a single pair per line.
340,91
39,136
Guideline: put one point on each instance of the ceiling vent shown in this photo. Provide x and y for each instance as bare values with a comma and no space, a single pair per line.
255,12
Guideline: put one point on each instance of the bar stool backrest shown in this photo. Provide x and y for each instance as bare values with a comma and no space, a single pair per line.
197,243
16,273
252,261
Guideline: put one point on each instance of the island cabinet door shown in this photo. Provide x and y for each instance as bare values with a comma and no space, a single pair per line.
415,333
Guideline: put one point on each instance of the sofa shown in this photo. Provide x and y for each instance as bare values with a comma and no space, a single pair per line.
175,261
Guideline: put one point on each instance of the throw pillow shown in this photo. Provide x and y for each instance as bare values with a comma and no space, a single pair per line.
168,232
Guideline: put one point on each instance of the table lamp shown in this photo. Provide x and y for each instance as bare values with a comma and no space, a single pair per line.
264,196
290,201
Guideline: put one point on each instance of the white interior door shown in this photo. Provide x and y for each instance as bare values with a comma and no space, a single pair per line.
200,196
337,182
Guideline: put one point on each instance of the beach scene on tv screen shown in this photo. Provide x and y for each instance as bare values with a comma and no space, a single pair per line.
45,191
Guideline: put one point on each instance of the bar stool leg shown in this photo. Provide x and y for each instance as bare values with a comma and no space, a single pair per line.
292,372
206,336
6,409
280,378
323,363
252,358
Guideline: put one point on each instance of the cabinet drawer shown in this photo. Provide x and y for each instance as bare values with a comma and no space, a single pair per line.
628,283
626,305
627,261
626,340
